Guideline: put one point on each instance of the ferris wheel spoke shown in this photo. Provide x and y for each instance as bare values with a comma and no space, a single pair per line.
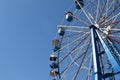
105,16
77,57
81,21
113,11
76,16
98,10
108,7
70,35
117,36
73,49
115,16
74,60
114,39
87,14
74,78
115,19
77,31
112,27
114,32
92,9
71,42
102,9
114,23
90,70
115,29
87,59
79,48
72,27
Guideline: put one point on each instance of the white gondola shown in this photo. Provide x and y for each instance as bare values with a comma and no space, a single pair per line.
61,31
53,57
69,16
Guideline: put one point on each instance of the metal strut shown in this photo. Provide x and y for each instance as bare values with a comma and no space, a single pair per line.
96,59
112,55
108,51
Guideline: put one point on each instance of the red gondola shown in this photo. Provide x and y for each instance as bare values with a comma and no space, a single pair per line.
54,73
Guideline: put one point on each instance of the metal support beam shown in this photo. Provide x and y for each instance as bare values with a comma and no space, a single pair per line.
109,53
96,59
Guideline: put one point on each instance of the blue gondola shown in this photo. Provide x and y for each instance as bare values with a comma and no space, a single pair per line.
54,65
56,48
61,31
69,16
79,3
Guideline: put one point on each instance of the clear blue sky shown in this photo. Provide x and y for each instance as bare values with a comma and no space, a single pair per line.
26,30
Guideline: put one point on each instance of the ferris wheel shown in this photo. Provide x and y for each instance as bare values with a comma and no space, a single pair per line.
87,46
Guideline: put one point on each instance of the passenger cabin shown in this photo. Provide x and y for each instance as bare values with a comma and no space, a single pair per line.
56,44
69,16
54,65
53,57
54,73
61,31
79,4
